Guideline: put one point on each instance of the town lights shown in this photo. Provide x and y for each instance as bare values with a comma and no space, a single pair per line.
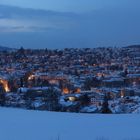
5,85
6,88
31,77
72,99
78,90
66,91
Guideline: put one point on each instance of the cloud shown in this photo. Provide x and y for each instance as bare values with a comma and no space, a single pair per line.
102,27
15,19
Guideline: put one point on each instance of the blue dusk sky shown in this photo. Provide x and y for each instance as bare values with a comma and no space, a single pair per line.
69,23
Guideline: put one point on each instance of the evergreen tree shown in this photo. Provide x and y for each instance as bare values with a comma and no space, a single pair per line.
84,100
87,84
2,99
51,99
105,106
21,82
2,95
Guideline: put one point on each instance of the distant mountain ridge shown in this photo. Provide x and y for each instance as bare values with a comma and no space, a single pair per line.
4,48
133,46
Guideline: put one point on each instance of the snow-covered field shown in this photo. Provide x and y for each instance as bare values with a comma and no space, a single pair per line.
16,124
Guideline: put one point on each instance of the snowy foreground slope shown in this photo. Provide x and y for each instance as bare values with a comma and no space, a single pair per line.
18,124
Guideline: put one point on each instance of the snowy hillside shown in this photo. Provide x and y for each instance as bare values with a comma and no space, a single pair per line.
18,124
